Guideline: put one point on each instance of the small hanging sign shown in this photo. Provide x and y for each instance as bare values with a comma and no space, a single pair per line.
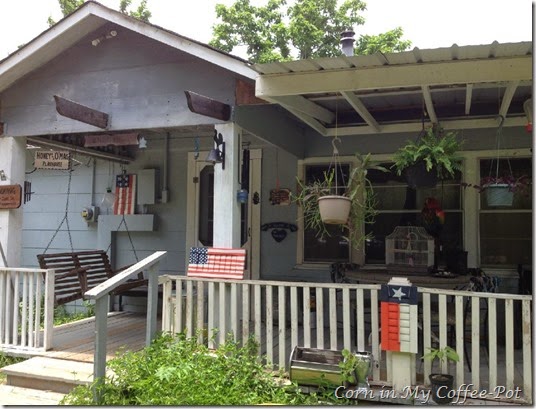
280,197
51,159
10,196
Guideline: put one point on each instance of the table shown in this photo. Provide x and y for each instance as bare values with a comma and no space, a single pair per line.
382,276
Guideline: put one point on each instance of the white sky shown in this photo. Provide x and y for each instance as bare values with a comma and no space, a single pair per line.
427,23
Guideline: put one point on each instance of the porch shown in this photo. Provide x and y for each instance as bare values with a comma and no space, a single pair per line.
281,315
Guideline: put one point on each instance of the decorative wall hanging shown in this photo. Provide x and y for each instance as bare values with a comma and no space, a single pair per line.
10,196
280,197
279,229
52,160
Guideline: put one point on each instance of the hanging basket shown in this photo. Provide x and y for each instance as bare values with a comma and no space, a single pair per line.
418,176
499,195
334,209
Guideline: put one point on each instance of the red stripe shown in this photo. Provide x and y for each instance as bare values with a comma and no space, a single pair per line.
226,263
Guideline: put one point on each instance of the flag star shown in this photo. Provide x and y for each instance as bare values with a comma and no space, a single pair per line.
398,294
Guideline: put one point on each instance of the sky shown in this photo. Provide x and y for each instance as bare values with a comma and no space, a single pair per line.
427,23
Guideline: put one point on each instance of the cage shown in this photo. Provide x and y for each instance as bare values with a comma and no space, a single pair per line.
409,246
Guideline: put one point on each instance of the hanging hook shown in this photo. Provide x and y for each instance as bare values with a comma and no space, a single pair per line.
335,149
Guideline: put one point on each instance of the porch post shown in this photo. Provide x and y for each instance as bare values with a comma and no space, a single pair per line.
226,216
13,165
226,207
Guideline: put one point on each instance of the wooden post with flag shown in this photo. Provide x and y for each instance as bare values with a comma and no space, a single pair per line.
399,330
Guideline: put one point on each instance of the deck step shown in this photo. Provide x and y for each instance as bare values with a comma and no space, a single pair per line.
15,395
57,375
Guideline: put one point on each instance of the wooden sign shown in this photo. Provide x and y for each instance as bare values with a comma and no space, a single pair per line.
10,196
51,159
280,197
116,140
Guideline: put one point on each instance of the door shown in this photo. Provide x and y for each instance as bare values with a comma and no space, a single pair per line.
200,208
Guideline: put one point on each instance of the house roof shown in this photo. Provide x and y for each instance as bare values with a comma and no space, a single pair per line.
458,87
89,17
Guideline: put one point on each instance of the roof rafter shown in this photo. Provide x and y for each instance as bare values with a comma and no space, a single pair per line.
361,109
507,98
427,95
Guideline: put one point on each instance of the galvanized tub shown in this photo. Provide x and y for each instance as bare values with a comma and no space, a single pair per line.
320,367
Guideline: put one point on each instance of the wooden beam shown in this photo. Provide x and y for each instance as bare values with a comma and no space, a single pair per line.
396,76
82,113
427,95
245,94
361,109
417,126
468,98
301,104
507,98
199,104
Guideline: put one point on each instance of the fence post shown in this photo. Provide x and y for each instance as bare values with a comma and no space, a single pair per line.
101,327
49,310
152,304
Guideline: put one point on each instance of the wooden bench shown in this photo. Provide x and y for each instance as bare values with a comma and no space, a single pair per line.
78,272
213,262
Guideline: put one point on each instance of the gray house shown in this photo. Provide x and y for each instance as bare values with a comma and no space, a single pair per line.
112,91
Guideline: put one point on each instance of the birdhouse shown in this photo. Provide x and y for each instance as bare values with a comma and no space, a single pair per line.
409,246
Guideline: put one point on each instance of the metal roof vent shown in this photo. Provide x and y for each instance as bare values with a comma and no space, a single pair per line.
347,42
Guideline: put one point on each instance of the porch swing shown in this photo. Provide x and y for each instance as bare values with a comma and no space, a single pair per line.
79,271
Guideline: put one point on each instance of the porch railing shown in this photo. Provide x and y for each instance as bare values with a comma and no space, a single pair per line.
26,304
281,315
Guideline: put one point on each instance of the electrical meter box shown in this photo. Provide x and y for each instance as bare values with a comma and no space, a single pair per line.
409,246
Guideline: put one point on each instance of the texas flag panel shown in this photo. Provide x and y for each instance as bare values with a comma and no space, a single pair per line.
399,315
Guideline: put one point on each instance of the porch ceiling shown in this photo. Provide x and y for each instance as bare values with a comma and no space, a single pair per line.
458,87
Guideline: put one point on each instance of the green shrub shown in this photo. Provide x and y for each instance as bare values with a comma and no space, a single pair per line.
175,370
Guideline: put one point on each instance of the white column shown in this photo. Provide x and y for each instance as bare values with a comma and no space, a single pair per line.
471,215
13,163
226,207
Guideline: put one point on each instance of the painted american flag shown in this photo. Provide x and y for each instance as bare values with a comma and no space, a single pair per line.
125,194
399,316
211,262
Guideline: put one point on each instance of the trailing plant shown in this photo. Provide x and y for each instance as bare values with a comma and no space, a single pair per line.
175,370
358,189
354,369
437,149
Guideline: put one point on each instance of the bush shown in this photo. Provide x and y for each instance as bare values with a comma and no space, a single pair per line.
175,370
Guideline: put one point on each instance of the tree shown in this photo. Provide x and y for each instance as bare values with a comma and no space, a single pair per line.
305,29
141,13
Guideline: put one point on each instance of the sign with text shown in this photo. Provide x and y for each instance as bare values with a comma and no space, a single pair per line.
10,196
52,159
124,139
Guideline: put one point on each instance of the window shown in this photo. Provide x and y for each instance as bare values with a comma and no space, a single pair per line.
506,232
334,247
399,205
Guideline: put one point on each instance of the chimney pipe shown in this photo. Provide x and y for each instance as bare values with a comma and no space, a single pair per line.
347,43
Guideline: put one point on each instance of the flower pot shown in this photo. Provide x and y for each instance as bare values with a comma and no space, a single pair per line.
499,195
442,384
418,176
334,209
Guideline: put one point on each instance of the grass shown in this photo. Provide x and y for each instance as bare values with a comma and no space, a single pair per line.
6,360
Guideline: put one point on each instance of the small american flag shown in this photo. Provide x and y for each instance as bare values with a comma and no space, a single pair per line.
210,262
125,194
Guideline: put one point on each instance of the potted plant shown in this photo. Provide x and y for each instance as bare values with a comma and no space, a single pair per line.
357,197
500,190
431,157
442,383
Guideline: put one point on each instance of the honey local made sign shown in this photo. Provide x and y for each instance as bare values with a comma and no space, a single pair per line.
51,159
10,196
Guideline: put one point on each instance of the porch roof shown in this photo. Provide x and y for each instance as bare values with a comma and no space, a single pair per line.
459,87
88,18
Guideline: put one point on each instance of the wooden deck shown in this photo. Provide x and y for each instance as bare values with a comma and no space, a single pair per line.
76,340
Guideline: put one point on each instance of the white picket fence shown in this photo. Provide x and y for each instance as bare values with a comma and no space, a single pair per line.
24,294
281,315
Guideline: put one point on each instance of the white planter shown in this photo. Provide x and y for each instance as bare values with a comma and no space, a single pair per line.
334,209
499,195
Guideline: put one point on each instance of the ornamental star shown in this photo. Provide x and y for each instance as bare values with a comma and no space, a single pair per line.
398,294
